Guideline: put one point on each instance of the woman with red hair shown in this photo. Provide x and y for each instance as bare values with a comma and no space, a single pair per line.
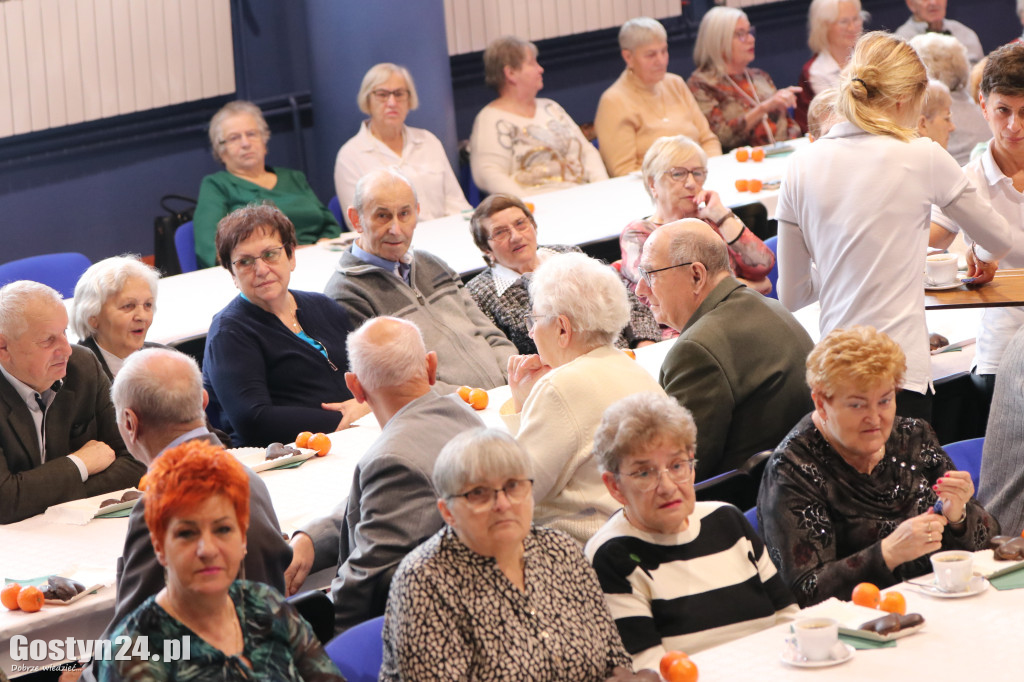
197,511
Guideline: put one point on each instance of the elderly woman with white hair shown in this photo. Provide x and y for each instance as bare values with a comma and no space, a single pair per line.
646,102
678,575
945,58
559,394
115,300
936,119
833,27
238,139
387,95
742,104
522,144
491,596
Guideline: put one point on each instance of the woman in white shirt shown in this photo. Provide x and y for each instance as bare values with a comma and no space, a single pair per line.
856,204
388,94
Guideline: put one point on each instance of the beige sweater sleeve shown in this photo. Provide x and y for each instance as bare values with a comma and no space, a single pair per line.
617,125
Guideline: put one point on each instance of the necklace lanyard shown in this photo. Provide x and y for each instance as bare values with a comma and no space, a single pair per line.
755,99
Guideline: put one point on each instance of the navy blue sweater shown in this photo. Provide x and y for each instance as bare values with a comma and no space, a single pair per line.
265,383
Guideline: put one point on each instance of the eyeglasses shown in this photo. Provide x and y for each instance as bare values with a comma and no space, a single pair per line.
648,478
645,274
847,22
680,174
235,138
503,233
382,95
270,256
744,34
483,498
532,320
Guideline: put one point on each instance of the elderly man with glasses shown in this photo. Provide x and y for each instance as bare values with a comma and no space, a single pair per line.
739,360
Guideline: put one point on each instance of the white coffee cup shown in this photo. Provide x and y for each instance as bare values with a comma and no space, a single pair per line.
940,268
953,570
816,637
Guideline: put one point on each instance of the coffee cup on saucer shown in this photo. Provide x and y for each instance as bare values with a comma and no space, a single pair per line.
953,570
816,638
940,269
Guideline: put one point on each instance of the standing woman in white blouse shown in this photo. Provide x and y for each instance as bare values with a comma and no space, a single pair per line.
522,144
388,94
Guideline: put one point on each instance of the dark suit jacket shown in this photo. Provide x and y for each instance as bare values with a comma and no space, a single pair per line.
140,575
80,412
738,366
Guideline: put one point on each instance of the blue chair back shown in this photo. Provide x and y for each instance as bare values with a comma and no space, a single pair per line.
773,275
185,245
60,271
359,652
334,206
966,456
751,515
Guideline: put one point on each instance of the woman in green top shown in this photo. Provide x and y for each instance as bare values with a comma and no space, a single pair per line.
238,138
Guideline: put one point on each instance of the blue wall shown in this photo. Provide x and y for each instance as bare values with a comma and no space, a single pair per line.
95,188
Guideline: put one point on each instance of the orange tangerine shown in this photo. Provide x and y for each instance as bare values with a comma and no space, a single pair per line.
464,392
893,602
742,185
30,599
302,440
866,594
321,443
629,352
742,154
682,670
755,185
757,154
478,398
9,596
668,659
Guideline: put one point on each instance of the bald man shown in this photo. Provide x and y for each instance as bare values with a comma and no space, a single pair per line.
738,364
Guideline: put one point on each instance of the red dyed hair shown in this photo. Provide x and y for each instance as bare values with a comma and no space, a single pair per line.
182,477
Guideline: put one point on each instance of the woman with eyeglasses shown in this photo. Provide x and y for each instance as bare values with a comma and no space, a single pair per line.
674,173
741,104
275,359
833,29
387,95
492,597
678,575
238,139
506,233
522,144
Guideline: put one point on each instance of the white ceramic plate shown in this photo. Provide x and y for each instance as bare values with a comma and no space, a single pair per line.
927,585
928,286
790,656
256,458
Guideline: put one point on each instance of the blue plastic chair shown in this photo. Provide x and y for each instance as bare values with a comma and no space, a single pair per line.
359,652
751,515
773,275
185,245
966,456
60,271
334,206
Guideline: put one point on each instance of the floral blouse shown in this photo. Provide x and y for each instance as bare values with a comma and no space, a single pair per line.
453,615
823,521
506,302
279,644
726,101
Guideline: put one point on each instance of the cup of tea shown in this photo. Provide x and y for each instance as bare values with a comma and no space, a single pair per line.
816,637
940,268
953,570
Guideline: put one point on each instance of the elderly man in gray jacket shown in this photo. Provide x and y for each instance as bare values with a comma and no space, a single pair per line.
381,275
392,506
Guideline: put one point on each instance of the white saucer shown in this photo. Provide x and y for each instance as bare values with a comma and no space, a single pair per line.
790,656
977,585
928,286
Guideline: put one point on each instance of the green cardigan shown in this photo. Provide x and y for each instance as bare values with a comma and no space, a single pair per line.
221,193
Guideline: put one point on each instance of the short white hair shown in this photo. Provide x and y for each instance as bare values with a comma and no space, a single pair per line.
586,291
399,359
713,50
937,99
376,76
101,281
477,456
230,109
364,184
667,152
15,300
820,14
944,57
640,31
159,397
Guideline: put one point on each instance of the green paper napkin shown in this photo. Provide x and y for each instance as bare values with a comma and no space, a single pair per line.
292,465
1010,581
858,643
119,514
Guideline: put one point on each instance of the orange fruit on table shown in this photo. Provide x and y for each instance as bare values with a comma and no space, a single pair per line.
30,599
668,659
742,154
754,185
866,594
629,352
464,392
742,185
9,596
302,440
321,443
682,670
757,154
893,602
478,398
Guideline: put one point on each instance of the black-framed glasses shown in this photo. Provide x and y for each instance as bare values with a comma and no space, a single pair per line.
532,320
382,94
679,174
648,478
483,497
645,274
234,138
504,233
742,34
270,256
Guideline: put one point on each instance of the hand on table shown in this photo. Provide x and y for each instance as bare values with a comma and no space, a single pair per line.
350,409
955,489
96,456
915,537
979,271
523,372
302,562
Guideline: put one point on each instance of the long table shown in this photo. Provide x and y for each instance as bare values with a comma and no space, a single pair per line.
1005,289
